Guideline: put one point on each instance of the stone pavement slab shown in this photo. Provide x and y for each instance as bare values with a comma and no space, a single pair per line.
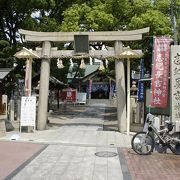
86,128
73,134
72,162
71,149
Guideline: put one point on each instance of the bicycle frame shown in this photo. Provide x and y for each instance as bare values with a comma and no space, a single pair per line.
145,141
158,132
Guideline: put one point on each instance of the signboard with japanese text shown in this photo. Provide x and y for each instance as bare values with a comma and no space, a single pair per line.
81,98
155,110
160,72
141,84
69,95
175,83
28,111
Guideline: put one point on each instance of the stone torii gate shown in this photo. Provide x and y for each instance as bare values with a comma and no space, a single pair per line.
47,52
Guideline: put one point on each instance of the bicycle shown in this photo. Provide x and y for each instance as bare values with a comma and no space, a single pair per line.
144,142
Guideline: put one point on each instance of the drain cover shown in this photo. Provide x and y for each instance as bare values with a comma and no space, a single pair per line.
105,154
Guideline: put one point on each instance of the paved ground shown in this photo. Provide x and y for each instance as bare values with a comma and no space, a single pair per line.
76,147
74,137
16,154
153,167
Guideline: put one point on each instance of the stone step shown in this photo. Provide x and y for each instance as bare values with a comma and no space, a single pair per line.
107,102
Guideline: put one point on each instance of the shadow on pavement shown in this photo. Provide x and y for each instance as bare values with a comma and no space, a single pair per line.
63,116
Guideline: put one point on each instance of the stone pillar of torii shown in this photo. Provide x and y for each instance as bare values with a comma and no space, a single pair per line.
46,53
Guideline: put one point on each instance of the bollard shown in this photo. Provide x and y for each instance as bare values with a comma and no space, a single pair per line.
2,126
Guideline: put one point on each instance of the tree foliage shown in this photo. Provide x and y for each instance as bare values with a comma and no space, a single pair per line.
5,52
160,24
83,15
84,18
12,16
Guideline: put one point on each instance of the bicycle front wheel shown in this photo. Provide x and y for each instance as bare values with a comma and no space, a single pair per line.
142,143
174,145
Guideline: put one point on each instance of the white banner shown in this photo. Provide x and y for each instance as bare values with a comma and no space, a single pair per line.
175,83
28,111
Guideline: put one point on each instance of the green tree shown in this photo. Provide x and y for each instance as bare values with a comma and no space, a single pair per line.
83,15
84,18
121,11
158,22
11,17
5,54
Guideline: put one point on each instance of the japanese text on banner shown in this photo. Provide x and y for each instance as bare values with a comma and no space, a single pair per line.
160,72
175,83
140,84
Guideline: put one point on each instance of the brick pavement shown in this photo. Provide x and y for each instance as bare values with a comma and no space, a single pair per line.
152,167
15,155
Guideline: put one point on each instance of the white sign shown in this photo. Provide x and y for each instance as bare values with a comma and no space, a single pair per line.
28,111
175,83
81,98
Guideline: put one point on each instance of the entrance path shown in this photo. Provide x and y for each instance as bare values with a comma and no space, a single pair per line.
78,148
84,127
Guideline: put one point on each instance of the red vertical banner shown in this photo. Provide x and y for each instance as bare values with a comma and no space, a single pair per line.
160,72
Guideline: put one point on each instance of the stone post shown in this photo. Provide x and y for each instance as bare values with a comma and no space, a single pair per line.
44,86
28,77
120,87
11,110
2,125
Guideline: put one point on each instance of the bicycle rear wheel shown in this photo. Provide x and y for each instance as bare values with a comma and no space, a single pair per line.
142,143
175,146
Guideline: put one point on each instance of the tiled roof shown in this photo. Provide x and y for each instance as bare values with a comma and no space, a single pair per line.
4,72
88,70
55,80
